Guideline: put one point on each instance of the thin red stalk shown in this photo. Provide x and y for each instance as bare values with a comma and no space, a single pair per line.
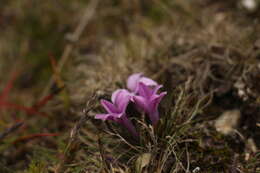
28,110
43,102
46,99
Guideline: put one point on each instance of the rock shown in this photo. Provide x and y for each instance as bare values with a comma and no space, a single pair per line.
227,122
250,5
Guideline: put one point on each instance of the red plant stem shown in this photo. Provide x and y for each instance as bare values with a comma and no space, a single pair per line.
46,99
28,110
43,101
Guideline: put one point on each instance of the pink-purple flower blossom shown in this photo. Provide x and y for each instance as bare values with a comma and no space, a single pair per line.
143,93
148,100
134,80
116,111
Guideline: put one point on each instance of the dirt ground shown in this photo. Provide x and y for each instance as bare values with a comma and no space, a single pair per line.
59,58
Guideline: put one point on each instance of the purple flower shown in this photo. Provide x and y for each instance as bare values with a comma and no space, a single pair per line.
116,111
134,80
148,100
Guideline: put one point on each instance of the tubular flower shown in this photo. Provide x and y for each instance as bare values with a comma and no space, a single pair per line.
116,110
134,80
148,100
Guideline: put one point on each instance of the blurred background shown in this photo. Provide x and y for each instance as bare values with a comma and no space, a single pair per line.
55,53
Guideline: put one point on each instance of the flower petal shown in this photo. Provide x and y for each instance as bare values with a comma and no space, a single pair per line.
110,108
132,81
144,90
115,94
121,98
141,102
103,117
154,102
156,89
119,94
148,82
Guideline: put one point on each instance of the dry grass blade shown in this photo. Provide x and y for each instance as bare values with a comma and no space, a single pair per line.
72,143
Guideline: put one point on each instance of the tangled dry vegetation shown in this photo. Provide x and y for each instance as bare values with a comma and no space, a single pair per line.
206,54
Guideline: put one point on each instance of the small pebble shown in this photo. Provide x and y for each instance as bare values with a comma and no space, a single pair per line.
227,121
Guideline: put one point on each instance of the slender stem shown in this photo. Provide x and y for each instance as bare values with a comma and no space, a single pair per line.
154,116
129,125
